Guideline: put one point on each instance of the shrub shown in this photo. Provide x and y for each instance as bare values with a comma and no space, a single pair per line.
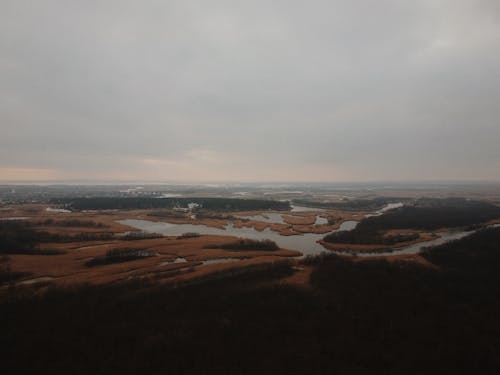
247,244
140,236
119,256
188,235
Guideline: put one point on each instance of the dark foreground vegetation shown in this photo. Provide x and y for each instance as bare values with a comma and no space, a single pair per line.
75,223
479,253
247,244
17,237
8,276
358,317
425,214
23,238
212,204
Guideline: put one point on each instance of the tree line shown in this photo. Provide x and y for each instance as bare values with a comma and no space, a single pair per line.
215,204
426,214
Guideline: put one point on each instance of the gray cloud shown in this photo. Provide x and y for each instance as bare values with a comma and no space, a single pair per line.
250,90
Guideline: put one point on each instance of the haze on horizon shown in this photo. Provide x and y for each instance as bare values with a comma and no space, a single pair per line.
250,90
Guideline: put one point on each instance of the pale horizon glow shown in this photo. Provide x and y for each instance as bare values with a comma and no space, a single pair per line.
250,91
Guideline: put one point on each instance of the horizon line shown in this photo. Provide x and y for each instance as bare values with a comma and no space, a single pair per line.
89,182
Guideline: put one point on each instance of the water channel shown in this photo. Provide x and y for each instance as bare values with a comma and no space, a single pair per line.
306,243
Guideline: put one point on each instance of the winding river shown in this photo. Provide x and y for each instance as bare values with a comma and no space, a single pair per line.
306,243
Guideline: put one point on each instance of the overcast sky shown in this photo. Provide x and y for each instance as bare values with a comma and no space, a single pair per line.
250,90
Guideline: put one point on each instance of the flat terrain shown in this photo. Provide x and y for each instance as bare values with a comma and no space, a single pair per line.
81,293
173,257
75,240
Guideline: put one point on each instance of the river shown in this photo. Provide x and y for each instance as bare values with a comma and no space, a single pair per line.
306,243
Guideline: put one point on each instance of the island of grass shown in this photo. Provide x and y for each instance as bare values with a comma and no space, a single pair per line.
423,214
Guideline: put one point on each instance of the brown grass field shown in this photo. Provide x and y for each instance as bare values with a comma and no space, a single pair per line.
69,267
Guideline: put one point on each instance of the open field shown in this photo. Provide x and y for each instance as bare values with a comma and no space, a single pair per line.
173,258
